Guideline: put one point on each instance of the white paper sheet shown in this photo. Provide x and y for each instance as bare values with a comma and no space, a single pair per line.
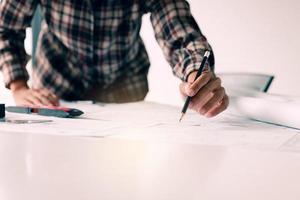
225,130
57,126
156,122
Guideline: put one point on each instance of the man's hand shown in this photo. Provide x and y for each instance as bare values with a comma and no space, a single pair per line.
209,97
24,96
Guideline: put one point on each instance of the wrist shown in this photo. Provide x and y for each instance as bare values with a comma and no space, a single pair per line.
18,85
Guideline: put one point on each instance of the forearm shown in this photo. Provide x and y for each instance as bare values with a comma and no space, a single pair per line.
15,16
13,57
179,36
12,66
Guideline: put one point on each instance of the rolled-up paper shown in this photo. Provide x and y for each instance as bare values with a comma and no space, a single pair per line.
276,109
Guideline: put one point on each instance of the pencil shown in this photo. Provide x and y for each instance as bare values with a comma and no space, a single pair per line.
199,72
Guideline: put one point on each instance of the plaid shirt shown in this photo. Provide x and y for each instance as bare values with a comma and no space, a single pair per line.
88,43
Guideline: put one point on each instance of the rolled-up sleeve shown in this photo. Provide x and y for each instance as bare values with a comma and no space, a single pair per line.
179,36
15,17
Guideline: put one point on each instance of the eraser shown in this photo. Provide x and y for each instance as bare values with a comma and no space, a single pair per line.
2,110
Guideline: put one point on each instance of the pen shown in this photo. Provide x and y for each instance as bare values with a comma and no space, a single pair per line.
46,111
200,70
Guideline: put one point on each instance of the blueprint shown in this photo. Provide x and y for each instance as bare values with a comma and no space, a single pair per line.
155,122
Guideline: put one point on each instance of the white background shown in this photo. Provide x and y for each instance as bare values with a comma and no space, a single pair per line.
259,36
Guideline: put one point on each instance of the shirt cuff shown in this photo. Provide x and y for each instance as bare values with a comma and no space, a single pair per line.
13,72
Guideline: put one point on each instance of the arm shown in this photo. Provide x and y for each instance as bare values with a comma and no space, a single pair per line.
184,45
178,35
15,17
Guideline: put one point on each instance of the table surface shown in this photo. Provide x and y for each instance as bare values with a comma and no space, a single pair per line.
35,167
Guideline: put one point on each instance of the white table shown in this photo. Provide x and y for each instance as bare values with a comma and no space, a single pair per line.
41,167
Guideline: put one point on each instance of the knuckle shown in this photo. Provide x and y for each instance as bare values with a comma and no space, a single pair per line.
207,76
217,93
221,92
224,104
191,91
218,81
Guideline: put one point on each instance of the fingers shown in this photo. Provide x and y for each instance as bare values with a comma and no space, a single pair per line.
48,94
34,99
30,97
40,98
24,102
206,93
208,96
220,108
47,97
217,97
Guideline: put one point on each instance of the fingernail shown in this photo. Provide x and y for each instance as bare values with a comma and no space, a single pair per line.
202,111
208,115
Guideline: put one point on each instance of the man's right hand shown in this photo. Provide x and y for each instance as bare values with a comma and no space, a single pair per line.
24,96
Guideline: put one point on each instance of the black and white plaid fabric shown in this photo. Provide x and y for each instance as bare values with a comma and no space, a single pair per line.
92,43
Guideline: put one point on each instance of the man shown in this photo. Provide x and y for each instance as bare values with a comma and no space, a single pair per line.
91,49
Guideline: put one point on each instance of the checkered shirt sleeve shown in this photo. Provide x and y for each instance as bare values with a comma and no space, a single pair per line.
178,35
15,16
